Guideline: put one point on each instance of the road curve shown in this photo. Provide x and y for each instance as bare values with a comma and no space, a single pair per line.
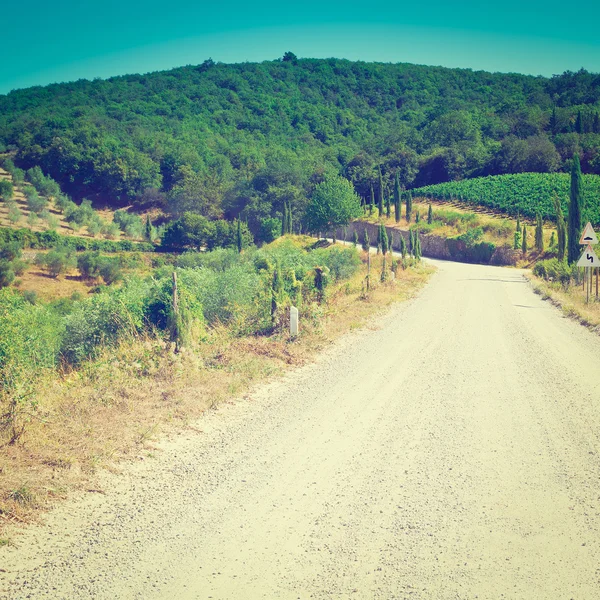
451,451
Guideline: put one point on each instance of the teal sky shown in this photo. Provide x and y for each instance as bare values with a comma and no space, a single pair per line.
46,42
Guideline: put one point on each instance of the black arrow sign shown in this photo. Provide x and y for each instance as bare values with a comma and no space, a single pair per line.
590,258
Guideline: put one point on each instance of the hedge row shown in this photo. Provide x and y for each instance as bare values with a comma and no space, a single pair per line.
41,240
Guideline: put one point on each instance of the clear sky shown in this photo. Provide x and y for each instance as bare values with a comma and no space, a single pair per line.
44,42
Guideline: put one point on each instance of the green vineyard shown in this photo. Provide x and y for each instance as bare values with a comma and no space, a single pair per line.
523,193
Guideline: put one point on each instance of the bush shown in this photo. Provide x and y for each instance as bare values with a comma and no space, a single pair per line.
269,230
555,270
7,273
6,190
105,318
341,262
57,261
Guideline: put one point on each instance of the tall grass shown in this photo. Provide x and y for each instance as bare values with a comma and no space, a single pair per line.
221,288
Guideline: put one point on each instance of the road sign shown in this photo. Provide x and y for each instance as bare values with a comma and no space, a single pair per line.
588,258
588,237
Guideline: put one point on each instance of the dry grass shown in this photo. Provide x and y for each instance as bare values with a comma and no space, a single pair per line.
115,407
572,301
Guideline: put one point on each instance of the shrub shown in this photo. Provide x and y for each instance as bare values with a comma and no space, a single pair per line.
106,317
6,190
341,262
7,273
57,261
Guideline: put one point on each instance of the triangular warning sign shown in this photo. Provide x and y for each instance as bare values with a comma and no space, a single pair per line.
588,258
588,236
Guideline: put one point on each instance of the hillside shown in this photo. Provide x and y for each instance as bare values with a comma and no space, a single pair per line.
521,194
237,139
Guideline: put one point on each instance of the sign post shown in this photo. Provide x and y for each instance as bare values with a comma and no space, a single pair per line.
588,258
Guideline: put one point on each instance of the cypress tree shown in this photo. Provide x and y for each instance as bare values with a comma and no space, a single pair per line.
539,233
518,224
552,239
411,242
418,216
579,123
553,121
575,206
518,240
524,241
289,219
366,244
561,228
402,246
380,203
148,228
408,206
397,197
284,219
430,215
372,200
355,239
417,245
238,238
596,123
384,239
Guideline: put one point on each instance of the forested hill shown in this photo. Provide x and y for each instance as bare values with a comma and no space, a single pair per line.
221,138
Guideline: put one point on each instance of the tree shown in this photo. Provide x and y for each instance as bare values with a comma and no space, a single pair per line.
430,215
561,227
366,243
6,190
539,233
148,229
408,206
372,201
397,197
402,246
334,203
524,241
239,239
575,208
383,239
380,197
7,273
284,219
355,238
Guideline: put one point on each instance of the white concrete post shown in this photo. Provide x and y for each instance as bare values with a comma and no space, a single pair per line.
293,321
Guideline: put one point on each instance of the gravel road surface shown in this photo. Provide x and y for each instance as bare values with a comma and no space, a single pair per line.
449,451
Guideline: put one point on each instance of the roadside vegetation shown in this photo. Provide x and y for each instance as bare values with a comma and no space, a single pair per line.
88,380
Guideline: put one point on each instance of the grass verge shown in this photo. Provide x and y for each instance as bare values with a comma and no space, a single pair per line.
571,301
115,407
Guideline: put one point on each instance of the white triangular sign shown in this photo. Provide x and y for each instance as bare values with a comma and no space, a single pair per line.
588,258
588,236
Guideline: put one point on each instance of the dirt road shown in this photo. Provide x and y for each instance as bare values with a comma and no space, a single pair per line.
450,452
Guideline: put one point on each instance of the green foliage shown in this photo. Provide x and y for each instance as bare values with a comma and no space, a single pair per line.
57,261
195,231
555,270
6,190
524,241
7,273
521,194
129,223
430,215
269,230
237,139
561,228
575,210
539,233
334,203
397,203
366,243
